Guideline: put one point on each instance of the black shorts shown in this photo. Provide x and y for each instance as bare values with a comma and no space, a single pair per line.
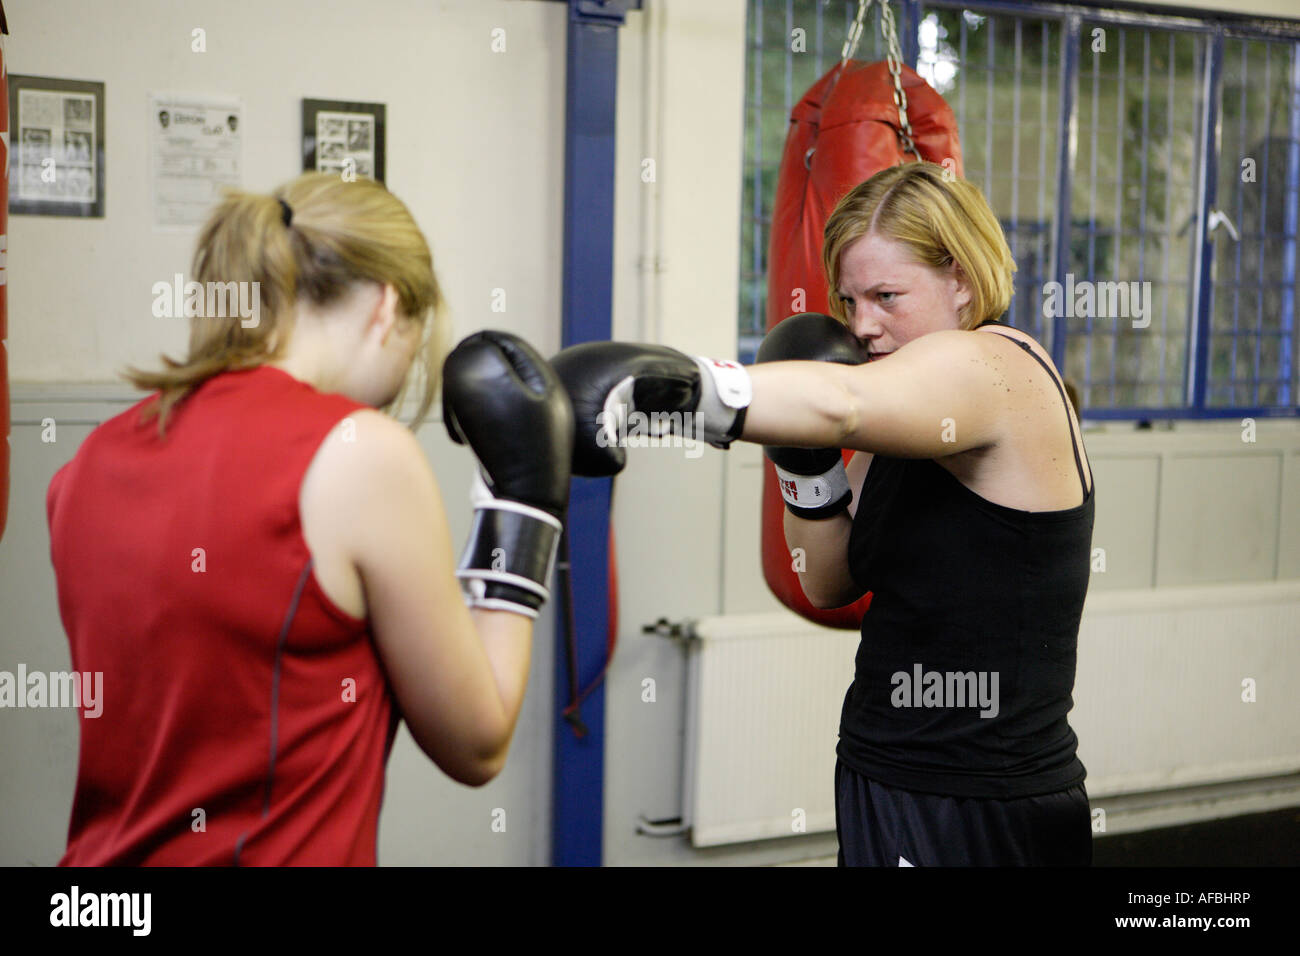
884,826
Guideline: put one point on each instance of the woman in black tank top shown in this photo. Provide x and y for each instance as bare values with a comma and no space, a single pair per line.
972,531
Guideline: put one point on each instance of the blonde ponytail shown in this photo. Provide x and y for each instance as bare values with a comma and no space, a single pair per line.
339,233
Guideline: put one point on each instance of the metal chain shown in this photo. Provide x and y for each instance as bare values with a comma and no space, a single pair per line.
894,58
855,34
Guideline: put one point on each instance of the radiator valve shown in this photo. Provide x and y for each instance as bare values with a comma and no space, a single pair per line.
679,631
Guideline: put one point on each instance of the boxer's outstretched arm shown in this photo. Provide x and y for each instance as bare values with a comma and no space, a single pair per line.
936,396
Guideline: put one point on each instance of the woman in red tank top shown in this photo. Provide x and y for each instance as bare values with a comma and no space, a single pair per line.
257,561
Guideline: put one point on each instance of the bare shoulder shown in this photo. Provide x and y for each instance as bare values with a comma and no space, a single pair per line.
1033,467
952,360
1011,330
954,355
368,468
1023,384
366,446
946,344
1004,332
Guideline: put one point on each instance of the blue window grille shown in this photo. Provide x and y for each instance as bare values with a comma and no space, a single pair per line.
1181,183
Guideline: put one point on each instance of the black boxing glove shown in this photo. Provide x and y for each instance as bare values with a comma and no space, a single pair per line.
610,382
813,481
500,397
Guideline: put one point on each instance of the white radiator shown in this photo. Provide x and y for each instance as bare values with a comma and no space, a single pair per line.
1158,704
1159,686
763,714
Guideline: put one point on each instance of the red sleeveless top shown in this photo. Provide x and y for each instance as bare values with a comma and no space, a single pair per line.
246,719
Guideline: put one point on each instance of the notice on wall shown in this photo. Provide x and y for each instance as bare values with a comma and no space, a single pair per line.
197,150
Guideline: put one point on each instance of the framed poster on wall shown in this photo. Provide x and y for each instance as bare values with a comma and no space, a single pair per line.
343,138
56,142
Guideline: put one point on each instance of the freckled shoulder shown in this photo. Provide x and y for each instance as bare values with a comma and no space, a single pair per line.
1005,332
971,358
995,344
1036,399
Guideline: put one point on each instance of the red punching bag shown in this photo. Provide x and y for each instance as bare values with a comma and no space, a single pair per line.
4,279
844,130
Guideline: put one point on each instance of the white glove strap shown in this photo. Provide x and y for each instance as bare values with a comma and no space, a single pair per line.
813,491
488,557
725,391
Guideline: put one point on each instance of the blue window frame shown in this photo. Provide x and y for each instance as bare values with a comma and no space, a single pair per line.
1125,151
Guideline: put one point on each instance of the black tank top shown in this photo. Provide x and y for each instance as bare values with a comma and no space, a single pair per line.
965,671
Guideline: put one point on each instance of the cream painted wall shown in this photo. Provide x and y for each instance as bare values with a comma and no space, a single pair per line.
475,149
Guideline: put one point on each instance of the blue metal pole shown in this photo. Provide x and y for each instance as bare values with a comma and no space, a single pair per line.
1064,176
909,25
590,102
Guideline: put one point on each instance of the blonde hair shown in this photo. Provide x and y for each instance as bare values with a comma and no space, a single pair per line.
941,220
340,233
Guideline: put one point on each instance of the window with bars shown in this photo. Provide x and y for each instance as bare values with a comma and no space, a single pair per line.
1181,183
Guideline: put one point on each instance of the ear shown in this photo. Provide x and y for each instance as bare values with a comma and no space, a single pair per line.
962,292
384,310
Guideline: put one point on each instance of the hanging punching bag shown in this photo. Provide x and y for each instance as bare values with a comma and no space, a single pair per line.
4,279
844,130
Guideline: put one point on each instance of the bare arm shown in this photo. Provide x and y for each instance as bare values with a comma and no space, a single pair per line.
935,396
825,580
459,676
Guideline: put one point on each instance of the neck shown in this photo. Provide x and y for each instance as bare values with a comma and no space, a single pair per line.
305,364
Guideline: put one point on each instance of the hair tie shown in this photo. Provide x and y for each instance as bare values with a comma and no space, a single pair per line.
286,213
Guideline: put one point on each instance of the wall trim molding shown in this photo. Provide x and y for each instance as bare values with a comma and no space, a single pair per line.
94,402
118,393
